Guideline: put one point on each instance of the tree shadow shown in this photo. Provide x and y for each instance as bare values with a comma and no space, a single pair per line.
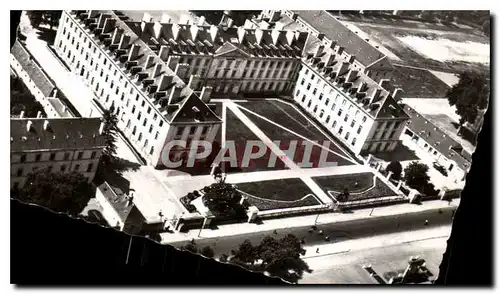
120,165
400,153
116,179
46,34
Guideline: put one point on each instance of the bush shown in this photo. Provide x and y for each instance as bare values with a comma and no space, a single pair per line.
186,201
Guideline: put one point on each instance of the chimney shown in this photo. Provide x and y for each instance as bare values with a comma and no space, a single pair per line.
124,42
117,34
344,67
340,50
397,94
205,94
375,95
92,13
330,59
275,16
351,75
172,62
164,51
39,114
134,51
181,70
157,70
165,81
321,36
109,24
384,83
21,115
319,51
149,61
54,95
175,94
101,128
165,18
146,17
28,125
46,125
352,58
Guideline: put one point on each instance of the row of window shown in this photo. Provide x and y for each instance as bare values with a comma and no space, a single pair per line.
52,156
62,168
192,130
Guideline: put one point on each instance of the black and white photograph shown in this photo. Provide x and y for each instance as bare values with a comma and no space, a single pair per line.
304,147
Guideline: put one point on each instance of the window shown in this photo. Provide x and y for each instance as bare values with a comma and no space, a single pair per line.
66,156
123,97
128,124
128,102
359,129
49,168
134,130
302,82
107,98
89,167
350,107
343,102
312,77
140,137
353,141
320,96
77,167
152,150
346,136
180,130
205,129
63,168
314,91
307,71
192,130
435,153
321,113
353,123
357,112
146,143
303,98
93,155
327,101
161,123
155,117
137,97
364,119
139,116
346,117
80,155
38,157
117,90
308,86
112,84
309,104
340,112
340,130
52,156
19,171
105,61
133,109
149,110
333,106
150,128
156,135
145,122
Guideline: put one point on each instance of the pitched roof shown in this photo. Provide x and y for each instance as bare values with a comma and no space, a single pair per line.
31,67
61,133
436,138
325,23
384,106
192,110
117,199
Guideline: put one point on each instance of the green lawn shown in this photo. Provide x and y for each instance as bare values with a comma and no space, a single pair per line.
359,186
275,194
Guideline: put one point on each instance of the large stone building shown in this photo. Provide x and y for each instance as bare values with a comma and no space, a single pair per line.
151,100
56,144
362,53
232,60
357,110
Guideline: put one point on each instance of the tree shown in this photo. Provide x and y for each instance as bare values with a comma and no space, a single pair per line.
396,169
469,95
35,17
191,247
246,253
207,251
110,132
416,175
223,258
60,192
223,199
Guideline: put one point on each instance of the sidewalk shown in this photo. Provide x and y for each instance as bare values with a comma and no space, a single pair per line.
361,215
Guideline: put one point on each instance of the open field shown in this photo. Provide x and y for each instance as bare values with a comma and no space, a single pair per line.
291,119
360,186
439,48
276,194
418,83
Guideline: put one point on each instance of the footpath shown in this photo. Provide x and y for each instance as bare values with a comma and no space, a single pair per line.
357,217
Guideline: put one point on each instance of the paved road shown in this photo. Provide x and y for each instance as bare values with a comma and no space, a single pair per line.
346,268
336,231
